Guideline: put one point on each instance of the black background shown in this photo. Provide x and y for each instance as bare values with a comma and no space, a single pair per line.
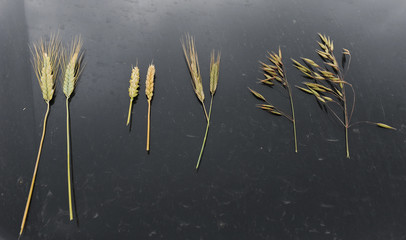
251,184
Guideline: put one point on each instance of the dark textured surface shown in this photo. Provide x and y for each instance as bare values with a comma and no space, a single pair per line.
251,185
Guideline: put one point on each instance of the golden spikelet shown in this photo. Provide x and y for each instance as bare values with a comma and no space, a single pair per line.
149,92
46,64
149,83
71,68
134,82
214,71
133,89
193,63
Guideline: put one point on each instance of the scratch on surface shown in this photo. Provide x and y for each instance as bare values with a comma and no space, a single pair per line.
383,110
331,140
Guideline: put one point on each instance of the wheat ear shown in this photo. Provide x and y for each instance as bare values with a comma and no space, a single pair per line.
149,92
214,76
133,89
46,63
192,61
71,69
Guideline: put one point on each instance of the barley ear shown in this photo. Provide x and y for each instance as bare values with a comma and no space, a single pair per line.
214,71
190,53
72,66
46,64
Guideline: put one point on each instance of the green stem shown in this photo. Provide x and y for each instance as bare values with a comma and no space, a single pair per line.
346,121
69,161
129,111
27,206
346,143
205,112
293,114
205,135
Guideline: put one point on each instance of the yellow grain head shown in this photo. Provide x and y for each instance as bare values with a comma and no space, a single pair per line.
134,82
149,83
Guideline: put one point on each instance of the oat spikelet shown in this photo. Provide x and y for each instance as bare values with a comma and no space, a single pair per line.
149,92
71,69
133,89
46,64
190,53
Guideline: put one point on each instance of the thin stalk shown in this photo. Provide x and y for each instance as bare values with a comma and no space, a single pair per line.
205,112
129,111
27,206
205,135
293,114
149,120
346,121
68,160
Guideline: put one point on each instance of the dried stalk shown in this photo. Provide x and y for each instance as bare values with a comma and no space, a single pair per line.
46,63
275,71
149,92
329,86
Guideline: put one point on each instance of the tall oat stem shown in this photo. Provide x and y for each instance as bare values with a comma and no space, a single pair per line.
149,92
214,75
46,63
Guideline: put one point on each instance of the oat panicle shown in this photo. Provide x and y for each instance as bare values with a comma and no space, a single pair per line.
328,85
275,72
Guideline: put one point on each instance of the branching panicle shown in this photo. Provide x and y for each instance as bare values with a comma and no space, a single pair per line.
275,72
329,86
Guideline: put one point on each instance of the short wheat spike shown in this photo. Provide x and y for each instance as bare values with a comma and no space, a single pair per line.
133,89
149,92
214,77
46,64
190,53
71,69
